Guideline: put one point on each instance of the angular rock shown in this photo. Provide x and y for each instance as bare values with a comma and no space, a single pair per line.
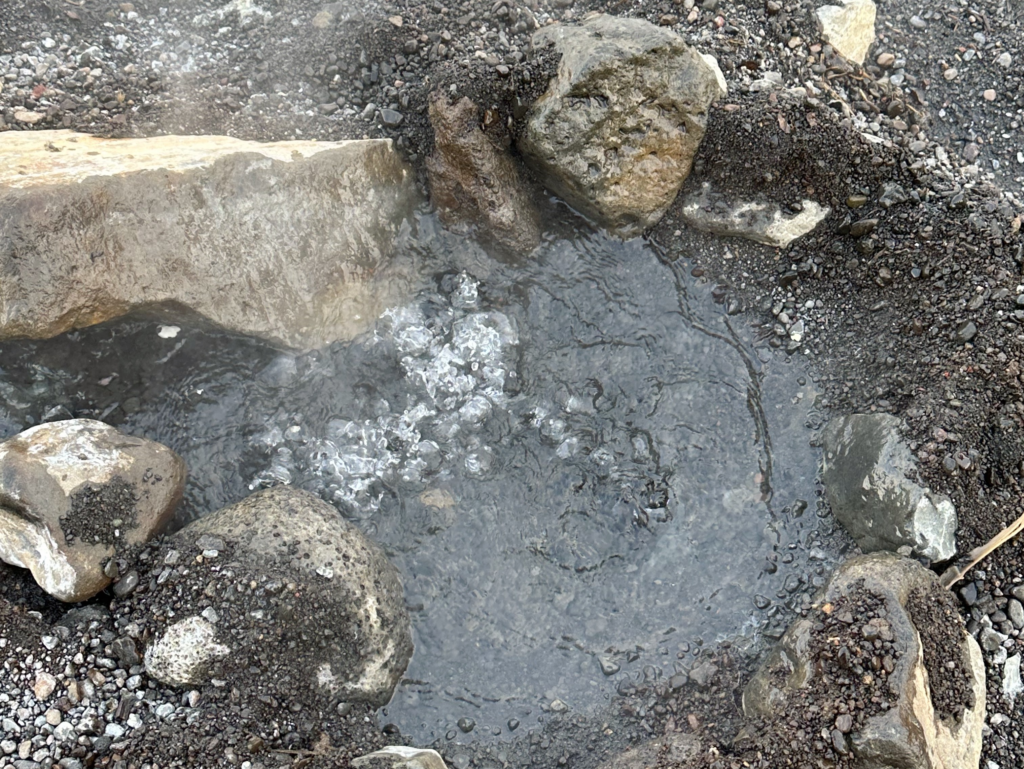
292,241
73,494
763,222
866,471
616,131
849,28
909,735
475,181
323,606
400,757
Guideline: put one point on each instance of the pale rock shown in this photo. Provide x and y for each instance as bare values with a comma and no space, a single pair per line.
849,28
182,655
673,749
616,131
51,478
763,221
865,471
1012,685
44,686
293,242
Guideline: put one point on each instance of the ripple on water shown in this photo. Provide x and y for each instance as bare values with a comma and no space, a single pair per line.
582,466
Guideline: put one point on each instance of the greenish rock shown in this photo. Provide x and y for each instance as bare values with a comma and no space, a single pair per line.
616,131
867,472
909,735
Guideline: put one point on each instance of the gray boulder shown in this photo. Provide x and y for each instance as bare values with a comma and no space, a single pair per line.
292,242
616,131
910,734
73,494
279,578
474,180
866,471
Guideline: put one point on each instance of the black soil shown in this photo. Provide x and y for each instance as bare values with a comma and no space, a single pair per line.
100,513
935,612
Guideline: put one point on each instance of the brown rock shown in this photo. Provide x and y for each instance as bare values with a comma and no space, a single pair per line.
475,181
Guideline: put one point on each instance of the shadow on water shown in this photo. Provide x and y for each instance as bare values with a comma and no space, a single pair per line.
583,467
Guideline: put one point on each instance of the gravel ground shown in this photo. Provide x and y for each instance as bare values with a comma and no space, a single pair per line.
908,299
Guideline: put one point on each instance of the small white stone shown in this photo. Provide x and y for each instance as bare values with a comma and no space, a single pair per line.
167,332
44,686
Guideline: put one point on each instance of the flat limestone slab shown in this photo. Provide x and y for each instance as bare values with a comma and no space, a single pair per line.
290,241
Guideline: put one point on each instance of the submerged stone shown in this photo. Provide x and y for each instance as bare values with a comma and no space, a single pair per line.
77,492
760,221
616,131
866,471
288,241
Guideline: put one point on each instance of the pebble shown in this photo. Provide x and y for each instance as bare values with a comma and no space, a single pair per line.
917,22
1004,59
966,331
885,60
391,118
990,94
1015,611
44,686
951,73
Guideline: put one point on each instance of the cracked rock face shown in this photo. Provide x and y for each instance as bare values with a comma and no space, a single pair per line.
292,242
867,472
75,493
336,592
617,129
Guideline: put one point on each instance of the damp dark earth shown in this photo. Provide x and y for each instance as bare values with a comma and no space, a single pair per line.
585,468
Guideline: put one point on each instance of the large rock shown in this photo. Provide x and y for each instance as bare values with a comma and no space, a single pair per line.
400,757
616,131
279,579
74,494
867,471
760,221
290,241
807,668
475,181
849,28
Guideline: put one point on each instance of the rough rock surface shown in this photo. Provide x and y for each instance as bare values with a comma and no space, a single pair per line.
75,493
898,725
865,471
346,632
676,749
617,129
849,28
764,222
288,241
474,180
181,655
